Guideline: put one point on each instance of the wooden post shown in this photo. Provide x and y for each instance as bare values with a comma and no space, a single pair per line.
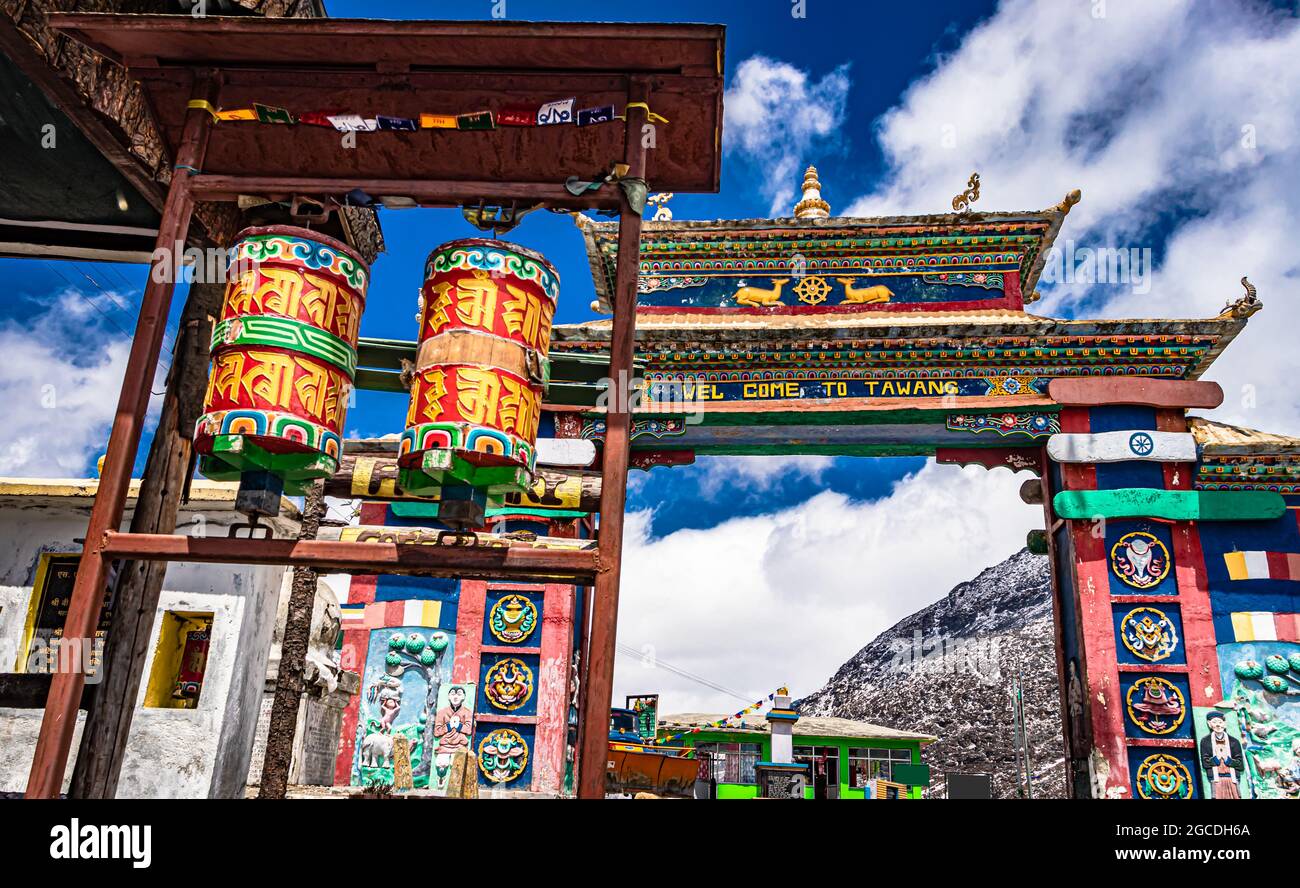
618,439
293,657
55,739
139,583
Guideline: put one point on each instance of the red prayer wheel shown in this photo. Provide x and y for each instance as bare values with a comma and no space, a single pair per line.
481,368
284,356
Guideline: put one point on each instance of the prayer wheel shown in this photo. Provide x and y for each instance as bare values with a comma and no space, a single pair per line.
284,356
480,373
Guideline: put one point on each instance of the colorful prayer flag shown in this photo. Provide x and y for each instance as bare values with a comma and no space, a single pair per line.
237,114
437,121
270,114
352,123
517,115
551,113
589,116
1265,626
479,120
397,124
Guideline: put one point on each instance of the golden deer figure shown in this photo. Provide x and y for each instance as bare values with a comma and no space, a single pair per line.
864,295
756,296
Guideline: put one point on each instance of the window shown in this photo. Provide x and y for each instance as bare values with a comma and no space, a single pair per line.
824,762
180,660
868,763
41,650
732,762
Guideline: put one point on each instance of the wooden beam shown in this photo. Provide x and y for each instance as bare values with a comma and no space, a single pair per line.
18,48
1171,505
1108,447
293,659
1102,391
55,738
513,561
29,690
139,583
208,186
616,451
373,476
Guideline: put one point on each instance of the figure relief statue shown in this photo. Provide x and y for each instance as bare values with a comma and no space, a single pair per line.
864,295
757,296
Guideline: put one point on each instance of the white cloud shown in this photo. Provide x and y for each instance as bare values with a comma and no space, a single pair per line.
777,115
720,474
59,382
787,597
1157,110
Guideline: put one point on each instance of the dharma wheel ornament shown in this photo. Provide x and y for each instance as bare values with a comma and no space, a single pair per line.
284,355
480,372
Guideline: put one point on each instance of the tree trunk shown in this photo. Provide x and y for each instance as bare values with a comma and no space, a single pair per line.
138,584
293,658
428,741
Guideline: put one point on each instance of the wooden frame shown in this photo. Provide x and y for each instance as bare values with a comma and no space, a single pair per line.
104,542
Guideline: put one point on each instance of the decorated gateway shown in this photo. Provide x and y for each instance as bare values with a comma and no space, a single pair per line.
1174,539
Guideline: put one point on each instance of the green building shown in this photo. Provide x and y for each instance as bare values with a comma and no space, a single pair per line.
845,755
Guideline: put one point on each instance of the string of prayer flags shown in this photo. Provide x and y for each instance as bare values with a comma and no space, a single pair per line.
757,704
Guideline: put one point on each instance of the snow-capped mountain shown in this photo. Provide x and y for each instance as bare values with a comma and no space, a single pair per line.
947,670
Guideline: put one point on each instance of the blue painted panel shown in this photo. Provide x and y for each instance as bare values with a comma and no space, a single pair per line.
1163,773
1121,419
529,673
1161,562
1134,473
520,778
1152,708
530,626
404,588
1158,641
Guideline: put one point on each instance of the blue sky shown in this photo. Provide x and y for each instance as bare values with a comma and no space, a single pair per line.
848,159
1178,119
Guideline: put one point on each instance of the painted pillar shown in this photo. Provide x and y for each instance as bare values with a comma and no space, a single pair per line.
781,719
1143,639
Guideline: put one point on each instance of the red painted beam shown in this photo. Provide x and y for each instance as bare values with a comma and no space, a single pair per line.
1102,391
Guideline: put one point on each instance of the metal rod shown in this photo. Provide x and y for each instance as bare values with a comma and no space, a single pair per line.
55,739
617,448
486,562
444,193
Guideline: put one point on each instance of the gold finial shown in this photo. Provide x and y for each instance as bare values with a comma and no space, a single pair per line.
812,206
961,203
660,201
1070,200
1245,306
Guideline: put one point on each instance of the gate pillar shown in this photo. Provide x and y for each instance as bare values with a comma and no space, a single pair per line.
1137,631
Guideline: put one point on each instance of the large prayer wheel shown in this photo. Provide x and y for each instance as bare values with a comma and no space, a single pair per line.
284,355
481,368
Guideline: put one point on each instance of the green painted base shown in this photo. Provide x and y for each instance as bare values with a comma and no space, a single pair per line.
1172,505
233,455
439,468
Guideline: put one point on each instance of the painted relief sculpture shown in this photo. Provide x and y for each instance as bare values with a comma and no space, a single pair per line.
481,369
284,355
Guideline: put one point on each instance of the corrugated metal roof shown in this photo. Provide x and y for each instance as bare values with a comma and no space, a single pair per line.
806,726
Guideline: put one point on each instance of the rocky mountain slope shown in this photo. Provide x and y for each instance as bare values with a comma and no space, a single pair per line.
947,669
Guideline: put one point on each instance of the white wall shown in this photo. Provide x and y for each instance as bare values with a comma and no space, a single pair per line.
171,753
